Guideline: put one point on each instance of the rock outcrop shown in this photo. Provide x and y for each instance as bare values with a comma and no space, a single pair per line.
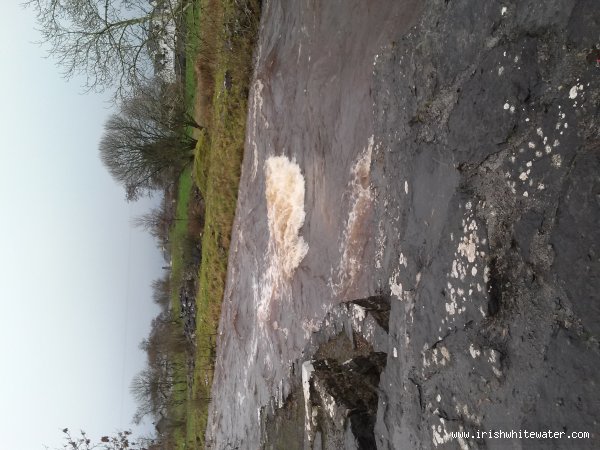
488,165
338,380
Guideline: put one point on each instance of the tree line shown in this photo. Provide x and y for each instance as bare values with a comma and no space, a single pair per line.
134,49
114,44
125,46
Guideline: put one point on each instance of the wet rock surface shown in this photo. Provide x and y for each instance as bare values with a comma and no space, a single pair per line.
338,381
487,114
344,400
480,232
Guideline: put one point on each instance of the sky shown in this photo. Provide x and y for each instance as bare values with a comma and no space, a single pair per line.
74,274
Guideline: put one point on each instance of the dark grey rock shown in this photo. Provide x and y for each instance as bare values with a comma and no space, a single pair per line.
500,223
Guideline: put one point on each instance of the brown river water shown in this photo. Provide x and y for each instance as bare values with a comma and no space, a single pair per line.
300,240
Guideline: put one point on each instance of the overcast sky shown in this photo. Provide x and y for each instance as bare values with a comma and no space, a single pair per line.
75,276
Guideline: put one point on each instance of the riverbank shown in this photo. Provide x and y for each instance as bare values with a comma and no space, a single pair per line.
222,67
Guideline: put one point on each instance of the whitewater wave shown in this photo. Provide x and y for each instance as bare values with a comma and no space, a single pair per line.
353,237
284,192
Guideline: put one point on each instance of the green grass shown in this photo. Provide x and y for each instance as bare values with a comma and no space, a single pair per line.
177,237
201,162
179,409
220,40
216,171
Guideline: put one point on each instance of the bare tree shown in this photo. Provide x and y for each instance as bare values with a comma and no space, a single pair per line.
161,102
143,147
161,291
150,393
156,222
120,441
112,43
153,389
136,161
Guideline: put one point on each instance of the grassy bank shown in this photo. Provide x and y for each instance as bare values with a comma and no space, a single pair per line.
223,42
227,51
177,237
178,240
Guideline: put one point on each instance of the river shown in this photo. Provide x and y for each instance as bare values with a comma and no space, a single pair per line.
442,155
311,106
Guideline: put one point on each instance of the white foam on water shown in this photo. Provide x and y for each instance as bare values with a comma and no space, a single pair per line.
352,237
257,105
307,371
284,193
